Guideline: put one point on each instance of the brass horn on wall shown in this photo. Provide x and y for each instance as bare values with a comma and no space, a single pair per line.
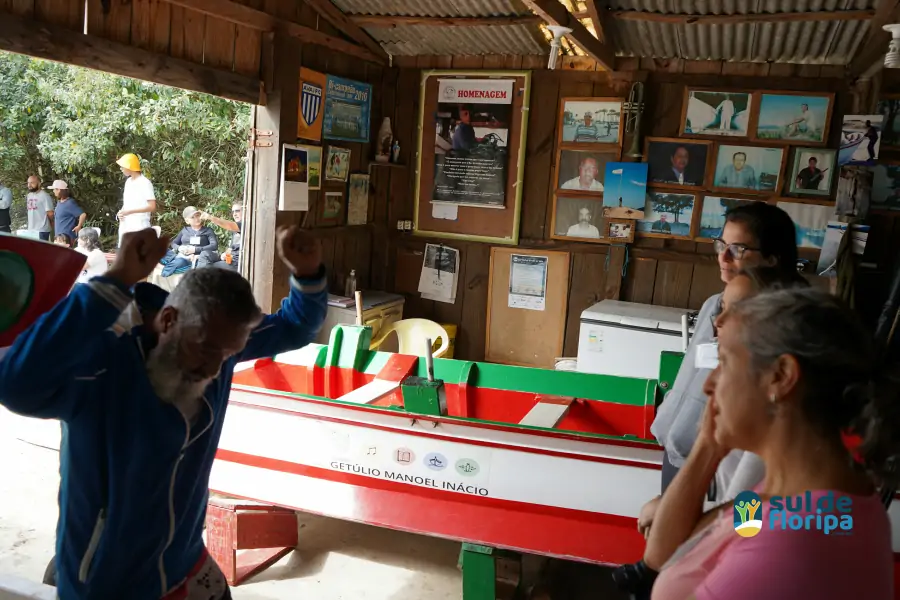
633,108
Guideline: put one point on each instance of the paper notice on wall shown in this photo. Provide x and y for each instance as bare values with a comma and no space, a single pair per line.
294,179
440,269
449,212
528,282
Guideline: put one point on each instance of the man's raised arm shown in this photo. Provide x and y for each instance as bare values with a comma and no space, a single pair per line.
42,362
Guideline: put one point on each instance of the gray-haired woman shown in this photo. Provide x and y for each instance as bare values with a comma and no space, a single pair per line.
89,245
797,372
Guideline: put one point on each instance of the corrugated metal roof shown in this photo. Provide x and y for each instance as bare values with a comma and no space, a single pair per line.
413,40
815,42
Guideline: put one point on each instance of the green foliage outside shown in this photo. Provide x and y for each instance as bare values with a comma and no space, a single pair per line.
62,122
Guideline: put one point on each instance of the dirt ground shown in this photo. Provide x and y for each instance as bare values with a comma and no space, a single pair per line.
335,560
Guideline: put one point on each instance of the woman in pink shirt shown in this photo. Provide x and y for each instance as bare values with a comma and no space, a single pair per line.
796,369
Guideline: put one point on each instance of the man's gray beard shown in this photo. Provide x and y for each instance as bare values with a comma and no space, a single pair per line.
169,380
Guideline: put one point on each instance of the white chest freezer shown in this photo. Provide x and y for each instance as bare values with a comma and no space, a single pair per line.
626,339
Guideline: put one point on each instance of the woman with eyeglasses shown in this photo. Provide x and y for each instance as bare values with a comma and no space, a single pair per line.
754,235
798,378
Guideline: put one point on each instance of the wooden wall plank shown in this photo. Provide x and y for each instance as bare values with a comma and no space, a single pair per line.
140,23
218,43
160,26
587,287
117,24
22,8
673,283
247,51
468,62
176,31
705,282
640,280
65,13
472,330
540,155
194,28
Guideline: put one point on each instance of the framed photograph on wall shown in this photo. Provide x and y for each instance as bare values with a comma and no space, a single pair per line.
578,218
626,190
582,171
332,208
590,121
810,221
314,166
471,153
889,109
748,169
860,139
712,215
337,167
716,113
667,214
886,186
794,117
812,172
620,230
679,163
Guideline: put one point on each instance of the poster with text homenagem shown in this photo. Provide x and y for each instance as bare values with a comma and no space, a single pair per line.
347,107
471,140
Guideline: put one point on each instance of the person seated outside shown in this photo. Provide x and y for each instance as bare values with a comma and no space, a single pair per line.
62,239
190,244
89,245
231,258
797,370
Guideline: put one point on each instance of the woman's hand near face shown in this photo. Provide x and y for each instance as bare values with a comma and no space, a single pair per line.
706,438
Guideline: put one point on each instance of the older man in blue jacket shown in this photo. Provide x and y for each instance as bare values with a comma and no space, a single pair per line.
142,411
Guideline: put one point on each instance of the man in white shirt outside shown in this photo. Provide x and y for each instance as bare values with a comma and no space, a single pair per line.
804,123
5,204
138,199
40,209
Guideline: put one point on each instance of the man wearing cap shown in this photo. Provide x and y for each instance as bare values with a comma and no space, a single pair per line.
40,209
195,240
138,200
69,216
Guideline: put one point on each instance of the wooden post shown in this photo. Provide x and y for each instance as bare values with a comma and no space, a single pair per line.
279,117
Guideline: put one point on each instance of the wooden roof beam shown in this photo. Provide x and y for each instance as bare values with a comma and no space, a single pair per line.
872,49
396,21
342,22
676,19
555,13
600,16
240,14
56,43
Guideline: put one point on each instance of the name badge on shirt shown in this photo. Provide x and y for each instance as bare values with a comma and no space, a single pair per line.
707,356
195,240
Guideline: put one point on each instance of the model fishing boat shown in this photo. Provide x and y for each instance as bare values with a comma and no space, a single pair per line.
549,462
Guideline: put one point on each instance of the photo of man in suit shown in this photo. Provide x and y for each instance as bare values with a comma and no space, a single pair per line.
677,163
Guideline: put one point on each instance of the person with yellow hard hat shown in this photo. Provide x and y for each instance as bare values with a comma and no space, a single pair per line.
138,200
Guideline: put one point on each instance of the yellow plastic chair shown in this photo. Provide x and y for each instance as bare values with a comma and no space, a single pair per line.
411,336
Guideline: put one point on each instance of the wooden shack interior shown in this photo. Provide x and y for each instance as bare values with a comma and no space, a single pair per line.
252,51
